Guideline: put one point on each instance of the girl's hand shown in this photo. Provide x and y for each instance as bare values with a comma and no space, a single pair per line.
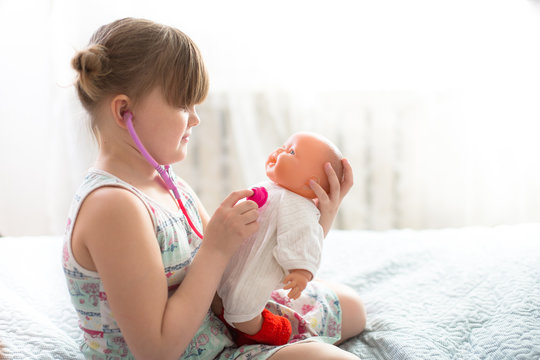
328,204
232,223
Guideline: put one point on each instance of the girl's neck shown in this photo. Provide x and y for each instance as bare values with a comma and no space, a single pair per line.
118,156
126,163
133,169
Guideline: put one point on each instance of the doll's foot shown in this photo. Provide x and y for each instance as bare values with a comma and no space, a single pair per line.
275,330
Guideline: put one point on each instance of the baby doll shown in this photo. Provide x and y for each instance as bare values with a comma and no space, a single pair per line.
287,247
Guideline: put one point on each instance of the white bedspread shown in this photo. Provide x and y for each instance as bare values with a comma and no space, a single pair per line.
443,294
470,293
37,320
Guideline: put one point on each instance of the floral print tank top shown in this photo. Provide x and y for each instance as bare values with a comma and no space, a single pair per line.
178,243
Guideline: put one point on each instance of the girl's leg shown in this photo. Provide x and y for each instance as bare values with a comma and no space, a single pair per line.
353,323
353,314
313,351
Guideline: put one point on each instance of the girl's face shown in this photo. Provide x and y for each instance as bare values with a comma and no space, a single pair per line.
164,129
300,159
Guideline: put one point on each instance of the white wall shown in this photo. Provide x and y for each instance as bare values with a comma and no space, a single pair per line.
453,85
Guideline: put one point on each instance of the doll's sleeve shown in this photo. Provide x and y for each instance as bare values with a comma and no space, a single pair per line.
299,234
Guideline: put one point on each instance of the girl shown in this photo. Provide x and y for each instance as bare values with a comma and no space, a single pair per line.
140,277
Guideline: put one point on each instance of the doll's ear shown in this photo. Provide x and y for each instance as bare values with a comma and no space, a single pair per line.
120,104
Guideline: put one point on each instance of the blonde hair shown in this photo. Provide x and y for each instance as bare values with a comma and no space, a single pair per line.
133,56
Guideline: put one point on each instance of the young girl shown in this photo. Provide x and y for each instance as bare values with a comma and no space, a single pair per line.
140,277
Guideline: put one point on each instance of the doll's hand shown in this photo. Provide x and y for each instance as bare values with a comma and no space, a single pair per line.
296,281
328,204
231,224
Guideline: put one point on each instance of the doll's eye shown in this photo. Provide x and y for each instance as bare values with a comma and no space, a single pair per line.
292,152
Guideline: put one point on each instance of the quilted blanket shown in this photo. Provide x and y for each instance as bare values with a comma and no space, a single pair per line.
443,294
471,293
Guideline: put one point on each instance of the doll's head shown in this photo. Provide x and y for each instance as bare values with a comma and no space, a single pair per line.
302,158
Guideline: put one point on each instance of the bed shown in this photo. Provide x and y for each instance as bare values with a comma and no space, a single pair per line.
469,293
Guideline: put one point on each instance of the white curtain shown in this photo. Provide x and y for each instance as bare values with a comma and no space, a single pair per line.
435,104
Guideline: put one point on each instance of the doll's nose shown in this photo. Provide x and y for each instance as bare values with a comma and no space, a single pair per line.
273,156
280,151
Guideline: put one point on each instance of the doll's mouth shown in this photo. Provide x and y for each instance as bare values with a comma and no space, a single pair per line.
272,159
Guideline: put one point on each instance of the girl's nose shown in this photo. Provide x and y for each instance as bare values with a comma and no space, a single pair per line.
194,119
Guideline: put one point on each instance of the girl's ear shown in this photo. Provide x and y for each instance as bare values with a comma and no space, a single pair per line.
120,104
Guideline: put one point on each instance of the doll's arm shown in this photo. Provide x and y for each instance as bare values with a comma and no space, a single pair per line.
297,281
299,238
328,204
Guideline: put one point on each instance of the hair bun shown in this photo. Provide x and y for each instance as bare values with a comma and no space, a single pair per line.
91,64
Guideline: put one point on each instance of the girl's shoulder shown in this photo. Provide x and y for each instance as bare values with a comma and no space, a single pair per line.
107,217
105,197
110,211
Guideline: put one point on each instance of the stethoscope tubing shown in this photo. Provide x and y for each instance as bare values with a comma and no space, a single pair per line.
161,169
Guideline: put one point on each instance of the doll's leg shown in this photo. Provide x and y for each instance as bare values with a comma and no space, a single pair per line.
250,327
353,313
265,328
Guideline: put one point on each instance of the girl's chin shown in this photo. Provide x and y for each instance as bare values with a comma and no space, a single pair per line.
178,156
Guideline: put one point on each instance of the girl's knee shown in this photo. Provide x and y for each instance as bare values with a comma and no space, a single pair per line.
353,313
313,350
353,308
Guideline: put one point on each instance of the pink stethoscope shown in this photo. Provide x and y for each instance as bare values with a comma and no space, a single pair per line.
260,195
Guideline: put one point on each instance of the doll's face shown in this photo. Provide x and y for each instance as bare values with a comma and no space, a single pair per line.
300,159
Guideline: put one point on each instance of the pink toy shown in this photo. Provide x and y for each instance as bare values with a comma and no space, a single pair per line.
260,195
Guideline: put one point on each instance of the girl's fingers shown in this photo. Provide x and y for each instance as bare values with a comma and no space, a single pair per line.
347,181
318,190
236,196
333,180
250,216
246,206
